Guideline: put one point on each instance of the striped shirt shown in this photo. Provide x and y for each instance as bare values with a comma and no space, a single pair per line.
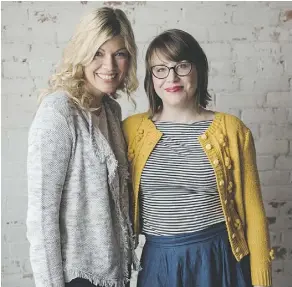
178,184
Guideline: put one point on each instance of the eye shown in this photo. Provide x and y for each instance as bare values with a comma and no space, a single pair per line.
122,54
98,54
160,69
184,65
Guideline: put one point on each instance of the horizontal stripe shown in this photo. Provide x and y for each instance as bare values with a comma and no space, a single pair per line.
178,184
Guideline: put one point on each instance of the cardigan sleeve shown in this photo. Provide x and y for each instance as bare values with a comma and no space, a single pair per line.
256,223
49,149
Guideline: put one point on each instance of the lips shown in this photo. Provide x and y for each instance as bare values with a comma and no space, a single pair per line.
173,89
106,77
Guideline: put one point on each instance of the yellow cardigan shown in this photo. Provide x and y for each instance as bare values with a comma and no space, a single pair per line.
229,145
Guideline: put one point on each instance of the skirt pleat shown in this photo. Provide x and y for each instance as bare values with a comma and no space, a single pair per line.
199,259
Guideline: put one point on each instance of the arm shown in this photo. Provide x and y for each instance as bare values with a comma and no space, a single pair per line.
49,149
256,224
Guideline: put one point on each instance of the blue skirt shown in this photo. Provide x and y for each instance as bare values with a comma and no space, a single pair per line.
199,259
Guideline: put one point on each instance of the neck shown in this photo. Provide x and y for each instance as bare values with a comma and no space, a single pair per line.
188,114
96,101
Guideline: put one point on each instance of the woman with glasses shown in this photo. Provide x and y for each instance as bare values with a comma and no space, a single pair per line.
196,190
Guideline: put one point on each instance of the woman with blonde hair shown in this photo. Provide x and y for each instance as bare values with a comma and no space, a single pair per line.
78,222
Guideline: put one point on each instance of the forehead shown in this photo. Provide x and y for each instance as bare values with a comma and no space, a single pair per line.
113,44
159,59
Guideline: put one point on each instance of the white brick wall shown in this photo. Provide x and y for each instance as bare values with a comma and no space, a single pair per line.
249,48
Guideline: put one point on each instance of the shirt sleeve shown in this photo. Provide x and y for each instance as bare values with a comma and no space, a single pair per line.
49,150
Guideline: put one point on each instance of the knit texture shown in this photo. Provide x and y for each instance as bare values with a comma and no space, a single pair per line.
78,208
229,146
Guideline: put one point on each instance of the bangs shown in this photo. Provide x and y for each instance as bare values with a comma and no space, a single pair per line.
169,47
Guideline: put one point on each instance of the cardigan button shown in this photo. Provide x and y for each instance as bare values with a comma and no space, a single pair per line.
140,136
216,162
233,236
208,146
204,136
230,184
227,161
237,250
221,182
228,218
141,132
240,256
272,254
225,201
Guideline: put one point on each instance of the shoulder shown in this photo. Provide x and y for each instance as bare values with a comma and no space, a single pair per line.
232,123
131,124
55,109
59,102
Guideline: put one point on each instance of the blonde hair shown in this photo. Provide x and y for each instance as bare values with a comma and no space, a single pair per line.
93,30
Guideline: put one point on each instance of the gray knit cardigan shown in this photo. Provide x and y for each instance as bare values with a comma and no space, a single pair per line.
78,207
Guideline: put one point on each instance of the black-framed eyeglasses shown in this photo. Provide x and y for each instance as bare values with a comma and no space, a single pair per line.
181,69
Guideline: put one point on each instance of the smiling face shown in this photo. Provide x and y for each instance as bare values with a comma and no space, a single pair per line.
108,69
174,90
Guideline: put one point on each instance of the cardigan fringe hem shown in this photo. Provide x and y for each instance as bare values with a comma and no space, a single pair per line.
94,279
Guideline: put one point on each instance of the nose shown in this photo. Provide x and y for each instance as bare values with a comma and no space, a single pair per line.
172,76
109,62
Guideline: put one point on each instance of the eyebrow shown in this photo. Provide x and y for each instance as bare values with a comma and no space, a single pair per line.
102,50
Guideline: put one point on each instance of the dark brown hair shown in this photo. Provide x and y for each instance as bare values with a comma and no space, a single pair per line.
177,45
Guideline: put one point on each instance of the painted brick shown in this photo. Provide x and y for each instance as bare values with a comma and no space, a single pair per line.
41,68
273,34
274,177
200,33
17,86
218,51
277,192
148,35
280,131
14,235
239,100
14,70
220,15
224,68
223,83
265,115
265,163
17,34
19,250
15,51
281,99
40,52
251,17
268,68
264,50
265,85
224,32
246,67
284,163
20,13
280,4
266,146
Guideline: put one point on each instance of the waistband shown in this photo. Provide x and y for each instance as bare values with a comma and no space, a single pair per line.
208,233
